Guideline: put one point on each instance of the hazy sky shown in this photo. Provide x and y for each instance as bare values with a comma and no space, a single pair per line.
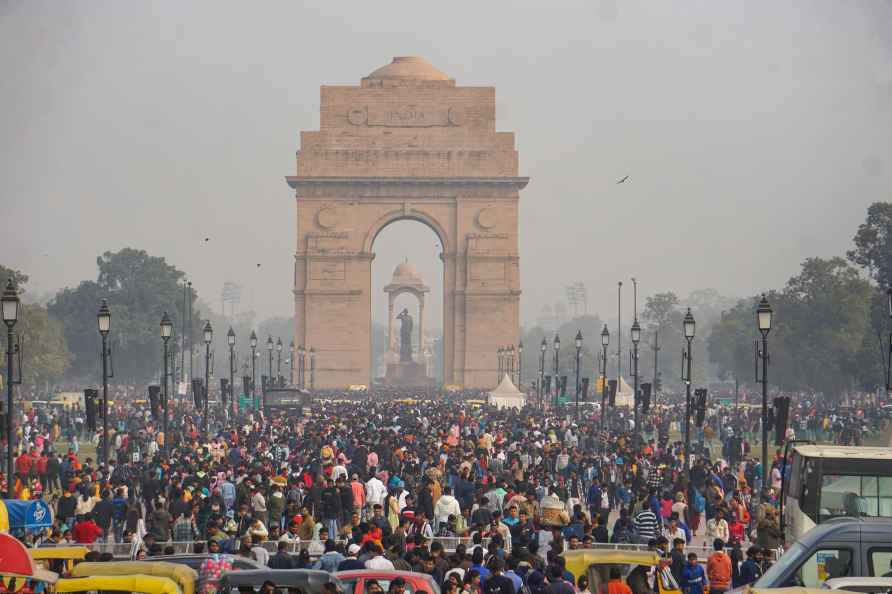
755,133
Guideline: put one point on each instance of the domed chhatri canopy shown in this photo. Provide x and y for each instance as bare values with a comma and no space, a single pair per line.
405,274
407,68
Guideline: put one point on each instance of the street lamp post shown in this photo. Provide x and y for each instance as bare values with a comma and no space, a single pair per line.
291,360
556,345
543,346
166,331
278,360
636,337
519,363
889,356
511,362
103,318
302,355
605,340
253,340
689,328
763,316
230,338
578,351
312,368
269,349
499,352
208,337
10,301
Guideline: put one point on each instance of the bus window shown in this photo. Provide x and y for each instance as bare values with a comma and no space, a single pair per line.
885,497
853,495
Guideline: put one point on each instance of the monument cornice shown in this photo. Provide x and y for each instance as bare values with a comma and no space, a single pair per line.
298,182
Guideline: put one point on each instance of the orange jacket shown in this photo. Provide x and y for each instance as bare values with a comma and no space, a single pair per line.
718,570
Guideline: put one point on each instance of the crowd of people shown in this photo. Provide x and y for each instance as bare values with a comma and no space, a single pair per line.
438,483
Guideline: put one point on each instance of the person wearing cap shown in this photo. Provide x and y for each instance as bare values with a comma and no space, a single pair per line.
352,561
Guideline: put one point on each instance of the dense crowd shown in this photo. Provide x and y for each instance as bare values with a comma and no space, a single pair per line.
433,482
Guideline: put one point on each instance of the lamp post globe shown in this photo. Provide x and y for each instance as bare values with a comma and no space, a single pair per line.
605,336
253,340
103,318
689,325
166,327
279,345
208,333
230,337
636,332
557,343
543,346
764,315
10,301
269,343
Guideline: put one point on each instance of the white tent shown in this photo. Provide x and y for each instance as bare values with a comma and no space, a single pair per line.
625,395
507,395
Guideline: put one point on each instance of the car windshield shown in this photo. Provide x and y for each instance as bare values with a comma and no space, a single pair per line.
771,578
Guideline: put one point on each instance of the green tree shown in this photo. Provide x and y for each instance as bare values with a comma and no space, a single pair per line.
873,244
45,356
139,289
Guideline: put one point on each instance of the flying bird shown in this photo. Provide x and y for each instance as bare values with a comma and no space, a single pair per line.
623,179
207,238
258,266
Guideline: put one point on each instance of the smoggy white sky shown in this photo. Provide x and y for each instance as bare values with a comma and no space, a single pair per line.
755,133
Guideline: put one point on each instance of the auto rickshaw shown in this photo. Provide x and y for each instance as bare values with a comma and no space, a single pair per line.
596,564
60,559
184,576
149,584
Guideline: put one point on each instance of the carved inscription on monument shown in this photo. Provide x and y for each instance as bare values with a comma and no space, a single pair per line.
324,270
406,116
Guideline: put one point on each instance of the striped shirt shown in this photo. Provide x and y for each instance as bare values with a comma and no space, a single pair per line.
646,523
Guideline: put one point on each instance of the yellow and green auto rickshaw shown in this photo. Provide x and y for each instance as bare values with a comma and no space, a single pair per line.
184,576
148,584
634,567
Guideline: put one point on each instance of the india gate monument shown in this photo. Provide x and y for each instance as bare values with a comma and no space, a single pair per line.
406,143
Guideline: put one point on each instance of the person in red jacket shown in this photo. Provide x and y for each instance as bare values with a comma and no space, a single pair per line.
24,463
86,531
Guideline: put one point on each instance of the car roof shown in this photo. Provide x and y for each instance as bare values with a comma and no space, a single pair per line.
185,557
351,573
281,577
847,528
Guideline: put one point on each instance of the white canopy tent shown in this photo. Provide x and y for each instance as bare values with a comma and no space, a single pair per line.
507,395
625,394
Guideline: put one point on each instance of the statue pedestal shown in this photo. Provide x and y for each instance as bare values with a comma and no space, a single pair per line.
407,373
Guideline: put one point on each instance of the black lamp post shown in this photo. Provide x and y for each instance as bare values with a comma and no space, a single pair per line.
543,346
312,368
253,341
10,301
208,338
578,351
605,340
889,357
103,318
166,331
689,328
291,360
556,345
302,354
511,362
763,316
636,337
278,360
269,349
519,363
230,338
499,369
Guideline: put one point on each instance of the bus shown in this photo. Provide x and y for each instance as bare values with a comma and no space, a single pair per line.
828,481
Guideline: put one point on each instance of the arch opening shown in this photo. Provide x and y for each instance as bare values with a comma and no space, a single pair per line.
407,273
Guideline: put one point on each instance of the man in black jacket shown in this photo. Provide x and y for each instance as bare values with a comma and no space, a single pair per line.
281,560
103,512
330,500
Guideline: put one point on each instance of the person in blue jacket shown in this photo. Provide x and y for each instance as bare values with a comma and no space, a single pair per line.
693,577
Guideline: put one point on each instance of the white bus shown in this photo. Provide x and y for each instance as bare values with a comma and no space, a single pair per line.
826,481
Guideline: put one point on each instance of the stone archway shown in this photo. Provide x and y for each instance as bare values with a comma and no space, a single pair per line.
407,144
